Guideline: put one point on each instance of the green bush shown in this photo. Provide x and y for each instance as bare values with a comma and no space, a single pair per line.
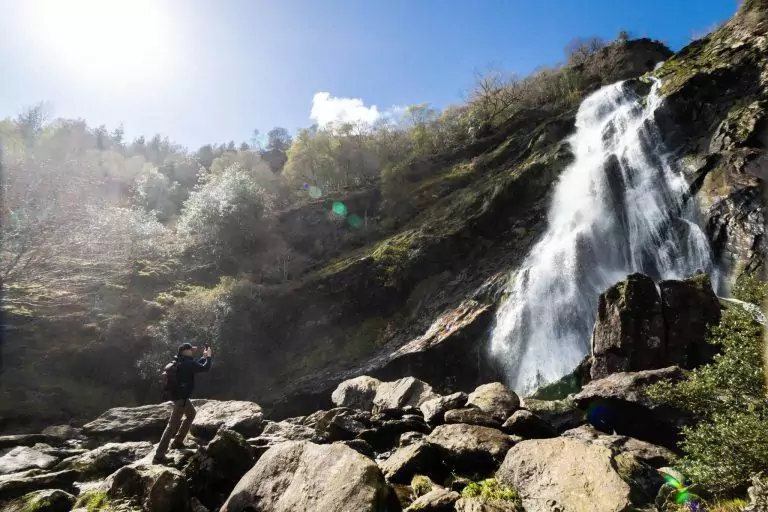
750,288
421,485
728,397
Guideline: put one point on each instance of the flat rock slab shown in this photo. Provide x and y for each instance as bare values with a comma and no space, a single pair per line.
18,484
22,458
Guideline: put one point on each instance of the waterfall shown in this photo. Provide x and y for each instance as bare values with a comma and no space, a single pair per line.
618,208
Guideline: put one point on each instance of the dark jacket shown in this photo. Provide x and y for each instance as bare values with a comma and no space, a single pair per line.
185,376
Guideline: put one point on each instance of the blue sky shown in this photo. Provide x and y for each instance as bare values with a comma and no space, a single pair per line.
201,71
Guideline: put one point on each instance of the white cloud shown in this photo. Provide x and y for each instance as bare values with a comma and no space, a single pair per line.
327,109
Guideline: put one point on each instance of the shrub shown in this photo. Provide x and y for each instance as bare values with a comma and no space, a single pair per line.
750,288
421,485
728,396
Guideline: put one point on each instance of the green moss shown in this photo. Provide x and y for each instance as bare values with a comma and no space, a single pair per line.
750,288
37,505
492,490
93,501
421,485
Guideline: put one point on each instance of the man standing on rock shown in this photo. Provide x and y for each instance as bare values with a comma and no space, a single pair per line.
181,382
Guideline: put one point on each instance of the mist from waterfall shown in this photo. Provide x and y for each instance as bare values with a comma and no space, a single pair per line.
618,208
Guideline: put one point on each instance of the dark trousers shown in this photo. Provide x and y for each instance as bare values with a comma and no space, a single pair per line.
176,429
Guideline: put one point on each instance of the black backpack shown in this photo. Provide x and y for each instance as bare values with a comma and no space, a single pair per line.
169,378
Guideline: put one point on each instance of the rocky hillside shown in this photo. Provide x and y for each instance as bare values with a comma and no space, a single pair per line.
400,445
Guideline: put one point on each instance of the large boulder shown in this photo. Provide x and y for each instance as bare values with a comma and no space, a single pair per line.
341,424
496,399
434,408
48,500
403,392
385,435
436,500
216,468
690,308
312,478
245,418
619,403
471,448
154,488
63,432
357,393
528,426
629,332
639,328
471,416
22,458
106,459
16,485
15,440
571,476
419,458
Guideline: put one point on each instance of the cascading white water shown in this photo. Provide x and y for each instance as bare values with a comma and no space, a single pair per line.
618,208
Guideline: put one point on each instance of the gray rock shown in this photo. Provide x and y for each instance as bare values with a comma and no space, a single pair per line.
436,500
245,418
561,414
216,468
16,485
434,408
385,435
496,399
13,441
360,447
649,453
341,424
357,393
63,432
471,416
155,488
471,448
481,505
300,475
22,458
401,393
528,426
106,459
408,438
420,458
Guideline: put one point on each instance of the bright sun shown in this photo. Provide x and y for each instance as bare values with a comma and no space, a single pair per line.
115,43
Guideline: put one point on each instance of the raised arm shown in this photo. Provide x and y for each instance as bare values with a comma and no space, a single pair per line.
204,363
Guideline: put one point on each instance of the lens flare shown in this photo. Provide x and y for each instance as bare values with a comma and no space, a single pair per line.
339,209
355,221
315,192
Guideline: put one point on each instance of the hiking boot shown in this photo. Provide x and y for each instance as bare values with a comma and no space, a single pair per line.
160,459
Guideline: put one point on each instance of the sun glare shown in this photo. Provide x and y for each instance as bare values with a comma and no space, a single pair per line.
119,43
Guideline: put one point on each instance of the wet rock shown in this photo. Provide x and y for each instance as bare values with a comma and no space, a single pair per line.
434,408
22,458
496,399
106,459
300,475
566,475
528,426
357,393
619,403
215,469
471,416
471,448
49,500
385,436
690,308
403,392
420,458
154,488
436,500
629,332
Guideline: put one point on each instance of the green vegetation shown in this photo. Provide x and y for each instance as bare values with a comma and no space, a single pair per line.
93,501
421,485
730,441
492,490
750,288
